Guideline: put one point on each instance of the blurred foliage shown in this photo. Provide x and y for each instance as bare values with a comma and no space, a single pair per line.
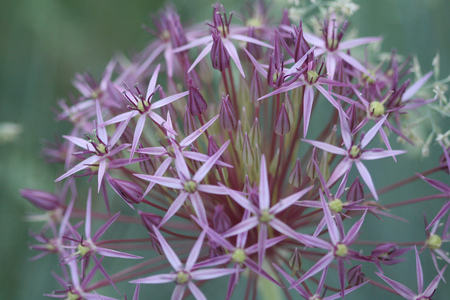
44,43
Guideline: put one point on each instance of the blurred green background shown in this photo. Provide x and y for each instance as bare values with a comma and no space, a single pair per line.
44,43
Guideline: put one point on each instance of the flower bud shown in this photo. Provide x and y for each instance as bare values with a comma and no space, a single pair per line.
356,191
355,276
295,262
247,150
149,220
227,117
41,199
196,103
221,221
220,59
128,191
295,178
282,124
188,122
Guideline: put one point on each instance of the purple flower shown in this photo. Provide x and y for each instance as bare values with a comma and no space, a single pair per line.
189,186
264,215
338,247
406,293
183,275
143,107
101,150
355,153
220,27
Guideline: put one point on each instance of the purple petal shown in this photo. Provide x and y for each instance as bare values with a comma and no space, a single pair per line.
101,173
284,89
291,280
157,151
327,95
170,254
81,166
169,99
79,142
299,63
160,121
264,193
202,54
357,42
308,240
245,225
307,107
104,227
327,147
410,91
174,183
196,291
204,169
203,158
193,136
419,272
248,39
101,131
320,265
194,43
353,233
137,133
199,208
87,225
178,292
366,177
256,64
331,64
312,39
343,167
114,253
262,237
288,201
233,54
242,201
180,163
331,224
174,207
434,284
156,279
120,118
210,273
371,154
356,64
398,287
345,129
372,132
152,83
212,189
119,130
255,268
193,255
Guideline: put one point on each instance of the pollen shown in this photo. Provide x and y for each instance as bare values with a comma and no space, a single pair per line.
354,152
434,241
190,186
336,205
312,76
238,256
376,108
83,250
182,277
266,216
341,250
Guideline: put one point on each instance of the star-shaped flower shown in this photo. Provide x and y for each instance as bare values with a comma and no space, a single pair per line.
183,275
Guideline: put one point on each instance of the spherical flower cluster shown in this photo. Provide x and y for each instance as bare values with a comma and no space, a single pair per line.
223,173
